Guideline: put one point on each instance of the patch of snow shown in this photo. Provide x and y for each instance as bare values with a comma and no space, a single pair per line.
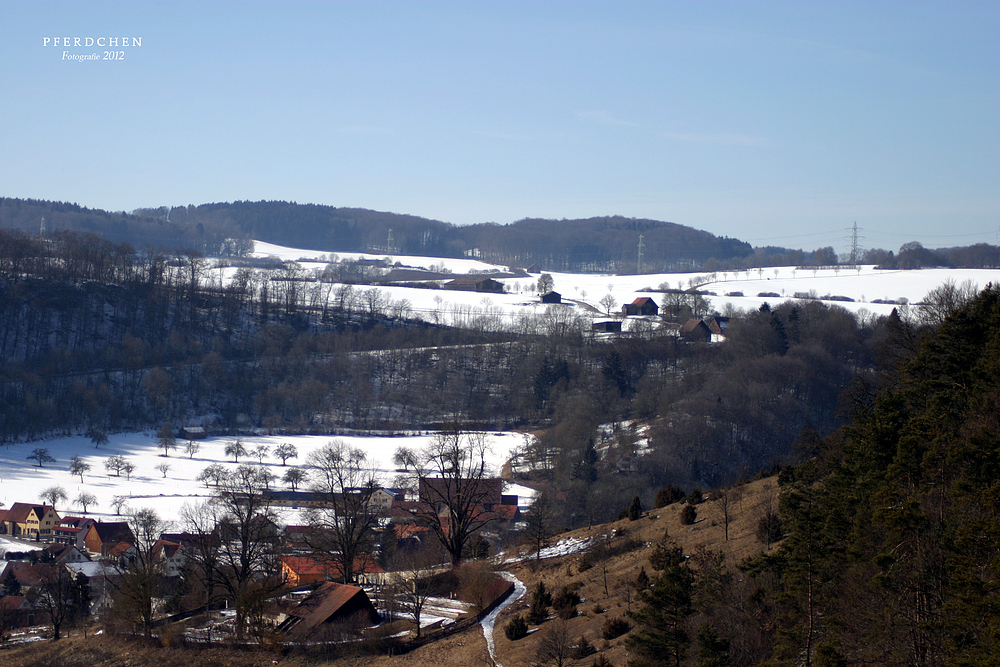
489,621
564,547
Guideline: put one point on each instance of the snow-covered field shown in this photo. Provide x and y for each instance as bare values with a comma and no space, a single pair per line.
864,285
23,481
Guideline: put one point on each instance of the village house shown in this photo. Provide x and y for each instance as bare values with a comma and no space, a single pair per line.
66,553
72,530
31,521
329,605
607,326
102,537
303,570
643,306
552,297
696,331
168,557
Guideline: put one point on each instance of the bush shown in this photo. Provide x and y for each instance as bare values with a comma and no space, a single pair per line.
695,497
615,627
567,613
602,662
688,515
516,629
582,649
668,495
565,603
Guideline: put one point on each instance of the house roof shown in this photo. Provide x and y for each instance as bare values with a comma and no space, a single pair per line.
30,574
11,602
642,301
324,565
324,603
117,531
18,512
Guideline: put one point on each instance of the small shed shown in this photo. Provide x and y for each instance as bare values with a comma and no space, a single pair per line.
534,268
193,432
552,297
607,326
329,604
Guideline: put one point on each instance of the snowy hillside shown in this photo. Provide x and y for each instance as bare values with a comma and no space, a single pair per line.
586,290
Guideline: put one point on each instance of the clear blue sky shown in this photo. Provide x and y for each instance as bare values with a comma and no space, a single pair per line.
780,123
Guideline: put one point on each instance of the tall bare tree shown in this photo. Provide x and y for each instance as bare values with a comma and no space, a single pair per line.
245,562
344,526
455,486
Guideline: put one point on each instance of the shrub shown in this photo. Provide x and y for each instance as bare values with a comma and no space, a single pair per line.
582,649
602,662
667,495
695,497
516,629
615,627
565,603
688,515
567,613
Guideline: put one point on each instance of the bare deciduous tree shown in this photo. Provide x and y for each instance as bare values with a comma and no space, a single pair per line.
344,527
455,485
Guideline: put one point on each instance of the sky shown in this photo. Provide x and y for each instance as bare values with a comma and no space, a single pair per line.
778,123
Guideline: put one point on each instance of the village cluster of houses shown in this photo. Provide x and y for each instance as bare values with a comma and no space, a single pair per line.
103,550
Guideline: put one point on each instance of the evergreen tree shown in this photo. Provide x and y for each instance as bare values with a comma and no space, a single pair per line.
661,636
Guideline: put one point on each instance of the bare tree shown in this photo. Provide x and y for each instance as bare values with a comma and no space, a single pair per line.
286,451
128,468
164,468
724,508
455,486
539,522
415,569
213,473
192,448
118,503
260,452
165,439
115,464
53,495
41,455
78,466
140,584
608,302
236,449
293,477
344,527
86,499
556,645
245,563
98,437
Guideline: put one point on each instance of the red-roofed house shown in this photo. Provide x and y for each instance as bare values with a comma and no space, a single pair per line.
641,306
31,520
303,570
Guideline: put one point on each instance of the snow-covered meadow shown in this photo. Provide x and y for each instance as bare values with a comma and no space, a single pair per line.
585,291
23,481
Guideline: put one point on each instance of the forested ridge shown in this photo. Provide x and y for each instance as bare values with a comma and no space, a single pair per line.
893,548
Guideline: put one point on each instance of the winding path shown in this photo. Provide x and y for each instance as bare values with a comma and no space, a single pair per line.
490,620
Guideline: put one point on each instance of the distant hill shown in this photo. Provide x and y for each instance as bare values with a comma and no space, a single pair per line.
594,244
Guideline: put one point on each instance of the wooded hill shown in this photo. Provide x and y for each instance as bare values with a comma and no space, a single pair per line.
594,244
